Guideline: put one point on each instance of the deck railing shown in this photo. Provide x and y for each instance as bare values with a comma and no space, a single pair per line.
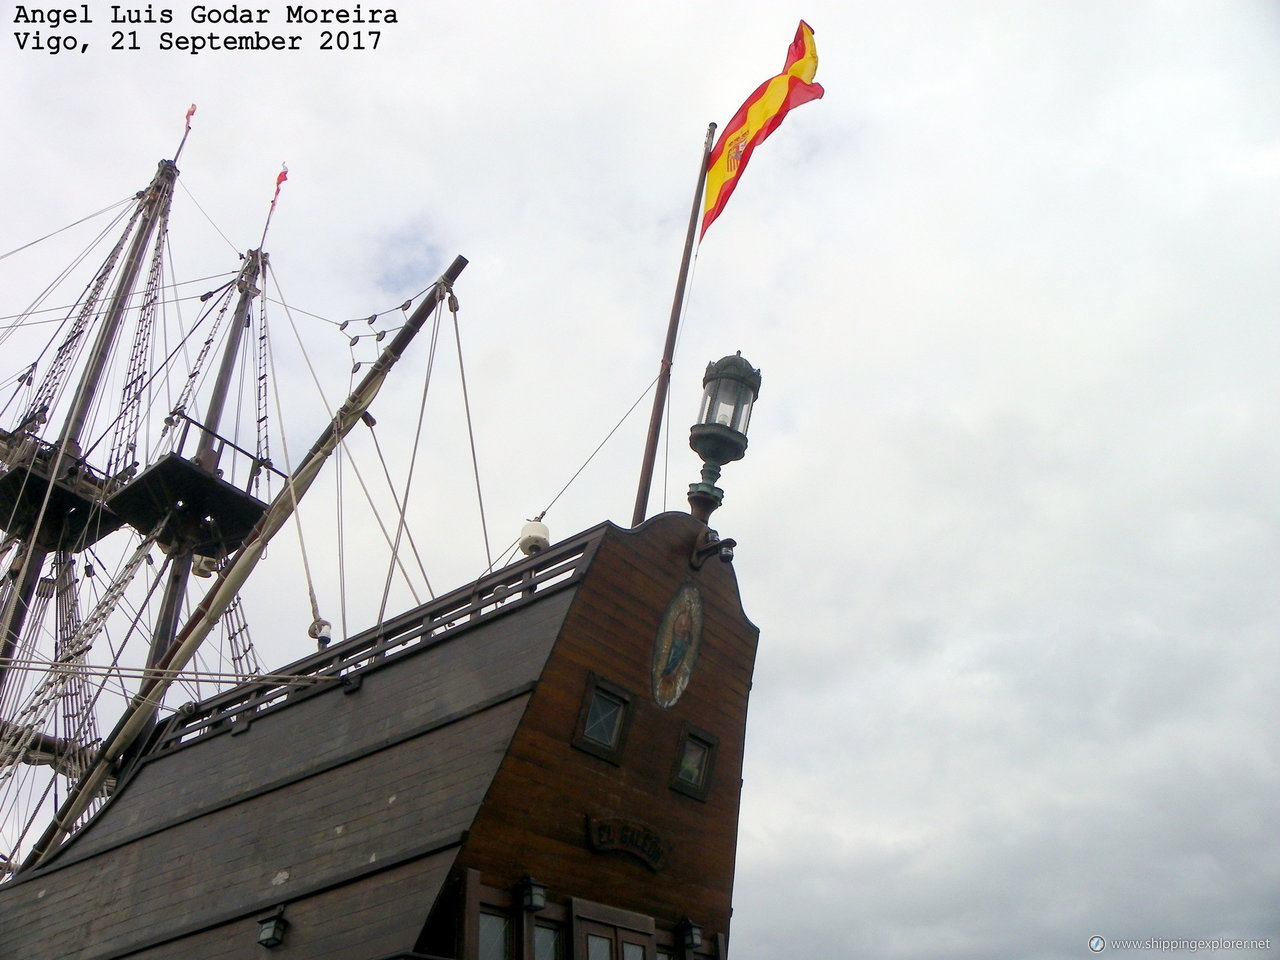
497,594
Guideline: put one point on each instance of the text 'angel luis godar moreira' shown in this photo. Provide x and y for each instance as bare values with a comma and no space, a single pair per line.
202,13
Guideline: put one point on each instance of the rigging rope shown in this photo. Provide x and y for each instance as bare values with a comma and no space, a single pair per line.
142,673
290,311
170,287
22,384
191,196
339,456
79,723
316,618
222,303
7,331
599,447
32,243
466,402
510,549
18,734
391,485
73,342
263,364
403,504
124,443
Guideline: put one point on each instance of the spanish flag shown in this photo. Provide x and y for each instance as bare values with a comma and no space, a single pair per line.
757,118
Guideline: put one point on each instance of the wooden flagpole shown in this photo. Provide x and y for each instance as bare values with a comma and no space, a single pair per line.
664,368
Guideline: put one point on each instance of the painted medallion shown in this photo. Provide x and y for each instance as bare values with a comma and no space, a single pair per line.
675,651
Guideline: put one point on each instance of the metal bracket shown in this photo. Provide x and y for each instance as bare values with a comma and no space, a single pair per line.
710,544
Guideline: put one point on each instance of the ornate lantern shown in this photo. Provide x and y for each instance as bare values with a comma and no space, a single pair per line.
730,387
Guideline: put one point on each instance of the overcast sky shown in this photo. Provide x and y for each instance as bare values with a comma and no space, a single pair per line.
1008,520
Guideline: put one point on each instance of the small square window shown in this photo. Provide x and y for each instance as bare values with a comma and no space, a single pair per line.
603,719
693,763
695,757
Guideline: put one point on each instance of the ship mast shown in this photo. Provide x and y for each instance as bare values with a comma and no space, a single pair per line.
207,456
158,199
48,528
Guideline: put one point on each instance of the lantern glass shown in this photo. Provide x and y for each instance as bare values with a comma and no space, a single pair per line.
727,403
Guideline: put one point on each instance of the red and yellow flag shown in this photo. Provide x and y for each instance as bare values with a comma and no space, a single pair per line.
757,118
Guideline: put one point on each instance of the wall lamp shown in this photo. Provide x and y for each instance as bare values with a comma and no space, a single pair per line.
533,895
690,934
272,928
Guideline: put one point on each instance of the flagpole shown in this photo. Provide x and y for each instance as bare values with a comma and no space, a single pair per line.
664,368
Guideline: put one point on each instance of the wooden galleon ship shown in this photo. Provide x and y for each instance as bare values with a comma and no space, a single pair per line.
544,764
